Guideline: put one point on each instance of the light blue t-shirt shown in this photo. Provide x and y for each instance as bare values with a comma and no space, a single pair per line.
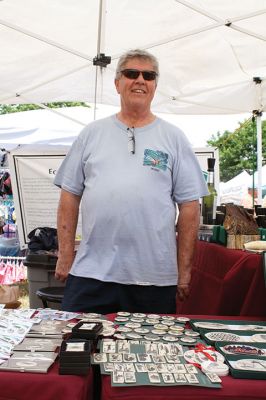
128,200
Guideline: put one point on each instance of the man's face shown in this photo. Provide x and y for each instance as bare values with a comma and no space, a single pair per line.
136,92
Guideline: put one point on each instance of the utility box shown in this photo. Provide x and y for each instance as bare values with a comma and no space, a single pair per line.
41,269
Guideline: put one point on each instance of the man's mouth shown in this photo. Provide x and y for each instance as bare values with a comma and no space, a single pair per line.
141,91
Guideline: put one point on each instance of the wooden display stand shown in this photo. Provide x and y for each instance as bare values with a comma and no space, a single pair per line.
237,241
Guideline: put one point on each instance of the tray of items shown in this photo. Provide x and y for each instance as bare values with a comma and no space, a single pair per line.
143,362
246,360
232,331
211,337
202,325
154,327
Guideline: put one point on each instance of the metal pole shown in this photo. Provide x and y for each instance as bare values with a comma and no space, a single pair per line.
99,42
259,156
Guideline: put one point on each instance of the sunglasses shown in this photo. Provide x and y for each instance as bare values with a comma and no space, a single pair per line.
134,74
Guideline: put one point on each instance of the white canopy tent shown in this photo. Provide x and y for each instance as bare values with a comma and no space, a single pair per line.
212,53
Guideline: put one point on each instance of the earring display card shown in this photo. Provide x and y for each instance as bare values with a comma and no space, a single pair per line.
34,356
48,328
26,365
38,345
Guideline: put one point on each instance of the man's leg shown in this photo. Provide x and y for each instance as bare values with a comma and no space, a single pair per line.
148,299
90,295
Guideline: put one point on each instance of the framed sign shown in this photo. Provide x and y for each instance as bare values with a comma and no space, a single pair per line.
36,198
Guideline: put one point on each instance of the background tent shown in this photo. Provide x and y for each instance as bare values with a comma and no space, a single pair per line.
212,52
236,189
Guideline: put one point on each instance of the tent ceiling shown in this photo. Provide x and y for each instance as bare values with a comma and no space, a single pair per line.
209,51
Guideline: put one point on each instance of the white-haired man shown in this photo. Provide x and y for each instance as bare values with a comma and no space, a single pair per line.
130,170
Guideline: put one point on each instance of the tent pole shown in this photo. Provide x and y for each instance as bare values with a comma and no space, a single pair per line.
259,156
99,48
98,53
258,113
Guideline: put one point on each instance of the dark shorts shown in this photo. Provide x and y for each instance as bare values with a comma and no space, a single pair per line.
91,295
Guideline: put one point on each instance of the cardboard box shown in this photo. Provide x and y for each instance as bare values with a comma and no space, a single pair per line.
237,241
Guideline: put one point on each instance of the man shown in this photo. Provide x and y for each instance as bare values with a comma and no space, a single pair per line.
130,170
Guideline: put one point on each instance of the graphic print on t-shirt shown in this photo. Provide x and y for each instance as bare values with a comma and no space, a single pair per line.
156,159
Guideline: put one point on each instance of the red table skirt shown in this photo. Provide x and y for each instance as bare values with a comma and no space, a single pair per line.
235,389
225,282
50,386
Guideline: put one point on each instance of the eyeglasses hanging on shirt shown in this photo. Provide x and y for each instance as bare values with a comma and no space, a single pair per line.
131,140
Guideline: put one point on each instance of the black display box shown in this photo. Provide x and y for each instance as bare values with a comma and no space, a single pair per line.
87,330
74,357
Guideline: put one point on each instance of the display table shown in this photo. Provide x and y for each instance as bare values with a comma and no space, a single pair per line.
225,282
50,386
235,389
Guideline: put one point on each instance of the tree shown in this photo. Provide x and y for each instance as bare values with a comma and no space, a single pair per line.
11,108
238,150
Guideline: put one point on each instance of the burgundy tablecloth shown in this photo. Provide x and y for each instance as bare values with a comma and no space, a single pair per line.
50,386
232,389
225,282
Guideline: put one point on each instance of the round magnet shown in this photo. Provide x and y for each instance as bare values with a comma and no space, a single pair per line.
168,317
132,325
191,333
123,313
124,329
161,327
183,319
138,315
142,331
170,338
121,319
158,332
151,337
188,339
153,316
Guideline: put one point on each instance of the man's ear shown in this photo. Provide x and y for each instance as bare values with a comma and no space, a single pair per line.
117,85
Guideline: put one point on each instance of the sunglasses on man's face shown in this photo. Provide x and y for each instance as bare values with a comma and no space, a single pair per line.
134,74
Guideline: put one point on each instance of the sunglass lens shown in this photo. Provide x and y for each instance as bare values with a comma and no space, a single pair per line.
149,75
131,73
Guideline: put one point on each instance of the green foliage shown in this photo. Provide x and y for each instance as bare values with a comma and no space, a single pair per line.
12,108
238,150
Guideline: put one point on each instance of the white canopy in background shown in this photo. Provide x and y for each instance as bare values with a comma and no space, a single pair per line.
212,53
209,51
62,125
236,189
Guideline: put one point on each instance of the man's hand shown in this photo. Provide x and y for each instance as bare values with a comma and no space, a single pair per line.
63,266
183,291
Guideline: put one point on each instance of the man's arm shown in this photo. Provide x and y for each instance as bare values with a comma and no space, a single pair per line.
67,219
187,228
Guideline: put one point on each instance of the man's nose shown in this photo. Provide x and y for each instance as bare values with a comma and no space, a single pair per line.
140,78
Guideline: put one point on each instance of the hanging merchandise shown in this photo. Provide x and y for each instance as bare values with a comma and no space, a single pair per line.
5,184
12,270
